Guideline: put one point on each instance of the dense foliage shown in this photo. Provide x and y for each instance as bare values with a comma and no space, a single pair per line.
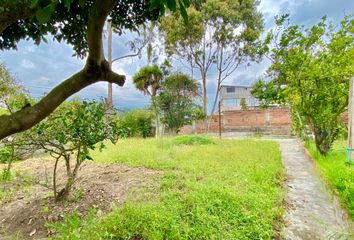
136,123
220,34
314,66
176,102
67,20
13,95
148,80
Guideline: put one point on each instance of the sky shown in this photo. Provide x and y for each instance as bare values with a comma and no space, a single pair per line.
40,68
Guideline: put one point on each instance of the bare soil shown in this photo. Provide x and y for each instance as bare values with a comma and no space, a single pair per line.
99,186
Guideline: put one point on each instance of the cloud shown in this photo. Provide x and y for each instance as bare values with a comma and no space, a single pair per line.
40,68
27,64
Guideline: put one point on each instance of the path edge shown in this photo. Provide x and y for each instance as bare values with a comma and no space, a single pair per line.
341,212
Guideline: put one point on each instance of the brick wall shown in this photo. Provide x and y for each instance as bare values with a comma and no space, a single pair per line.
269,121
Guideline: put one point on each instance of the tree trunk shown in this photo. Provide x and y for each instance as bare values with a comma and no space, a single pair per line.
205,102
109,58
220,59
214,105
63,194
351,120
55,178
324,139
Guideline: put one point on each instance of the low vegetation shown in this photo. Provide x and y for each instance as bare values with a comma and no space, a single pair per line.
337,172
226,190
136,123
193,140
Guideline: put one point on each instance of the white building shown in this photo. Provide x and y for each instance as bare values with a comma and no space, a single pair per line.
232,96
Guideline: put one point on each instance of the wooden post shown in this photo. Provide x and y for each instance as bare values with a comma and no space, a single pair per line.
350,118
219,119
109,56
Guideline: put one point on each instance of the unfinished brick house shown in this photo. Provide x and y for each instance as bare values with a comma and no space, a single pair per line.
246,117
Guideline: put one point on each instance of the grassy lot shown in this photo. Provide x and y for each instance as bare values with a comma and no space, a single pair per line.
337,173
209,189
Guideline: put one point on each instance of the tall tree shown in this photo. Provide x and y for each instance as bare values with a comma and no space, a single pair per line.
314,66
136,46
149,80
219,33
80,23
176,101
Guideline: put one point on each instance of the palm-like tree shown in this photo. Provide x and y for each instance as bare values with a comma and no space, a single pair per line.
149,81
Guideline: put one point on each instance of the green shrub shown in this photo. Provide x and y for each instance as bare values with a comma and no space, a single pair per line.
137,123
193,140
5,157
5,154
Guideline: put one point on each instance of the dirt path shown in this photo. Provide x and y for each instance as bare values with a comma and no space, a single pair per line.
311,213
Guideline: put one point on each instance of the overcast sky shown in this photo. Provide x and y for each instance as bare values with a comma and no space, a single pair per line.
40,68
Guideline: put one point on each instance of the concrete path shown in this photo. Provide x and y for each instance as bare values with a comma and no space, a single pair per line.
311,213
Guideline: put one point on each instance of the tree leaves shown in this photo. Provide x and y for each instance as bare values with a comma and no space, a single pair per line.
44,14
171,4
314,65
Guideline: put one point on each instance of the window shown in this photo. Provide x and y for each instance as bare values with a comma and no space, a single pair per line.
231,102
230,89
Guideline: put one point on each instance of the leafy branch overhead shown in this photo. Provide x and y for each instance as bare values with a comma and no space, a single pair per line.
80,24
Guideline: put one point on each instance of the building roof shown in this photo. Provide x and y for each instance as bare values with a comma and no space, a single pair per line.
235,86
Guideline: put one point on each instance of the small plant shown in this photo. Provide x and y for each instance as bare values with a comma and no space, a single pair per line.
78,195
243,104
193,140
45,209
69,134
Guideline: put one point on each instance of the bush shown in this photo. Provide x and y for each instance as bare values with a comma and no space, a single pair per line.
69,133
137,123
193,140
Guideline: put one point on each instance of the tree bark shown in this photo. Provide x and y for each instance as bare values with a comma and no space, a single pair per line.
214,105
31,115
109,56
55,178
205,102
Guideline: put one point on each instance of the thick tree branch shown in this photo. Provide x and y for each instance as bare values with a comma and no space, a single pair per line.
96,69
97,19
29,116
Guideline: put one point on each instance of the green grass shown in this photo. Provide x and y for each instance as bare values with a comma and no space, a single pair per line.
227,190
12,183
193,140
338,174
3,111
